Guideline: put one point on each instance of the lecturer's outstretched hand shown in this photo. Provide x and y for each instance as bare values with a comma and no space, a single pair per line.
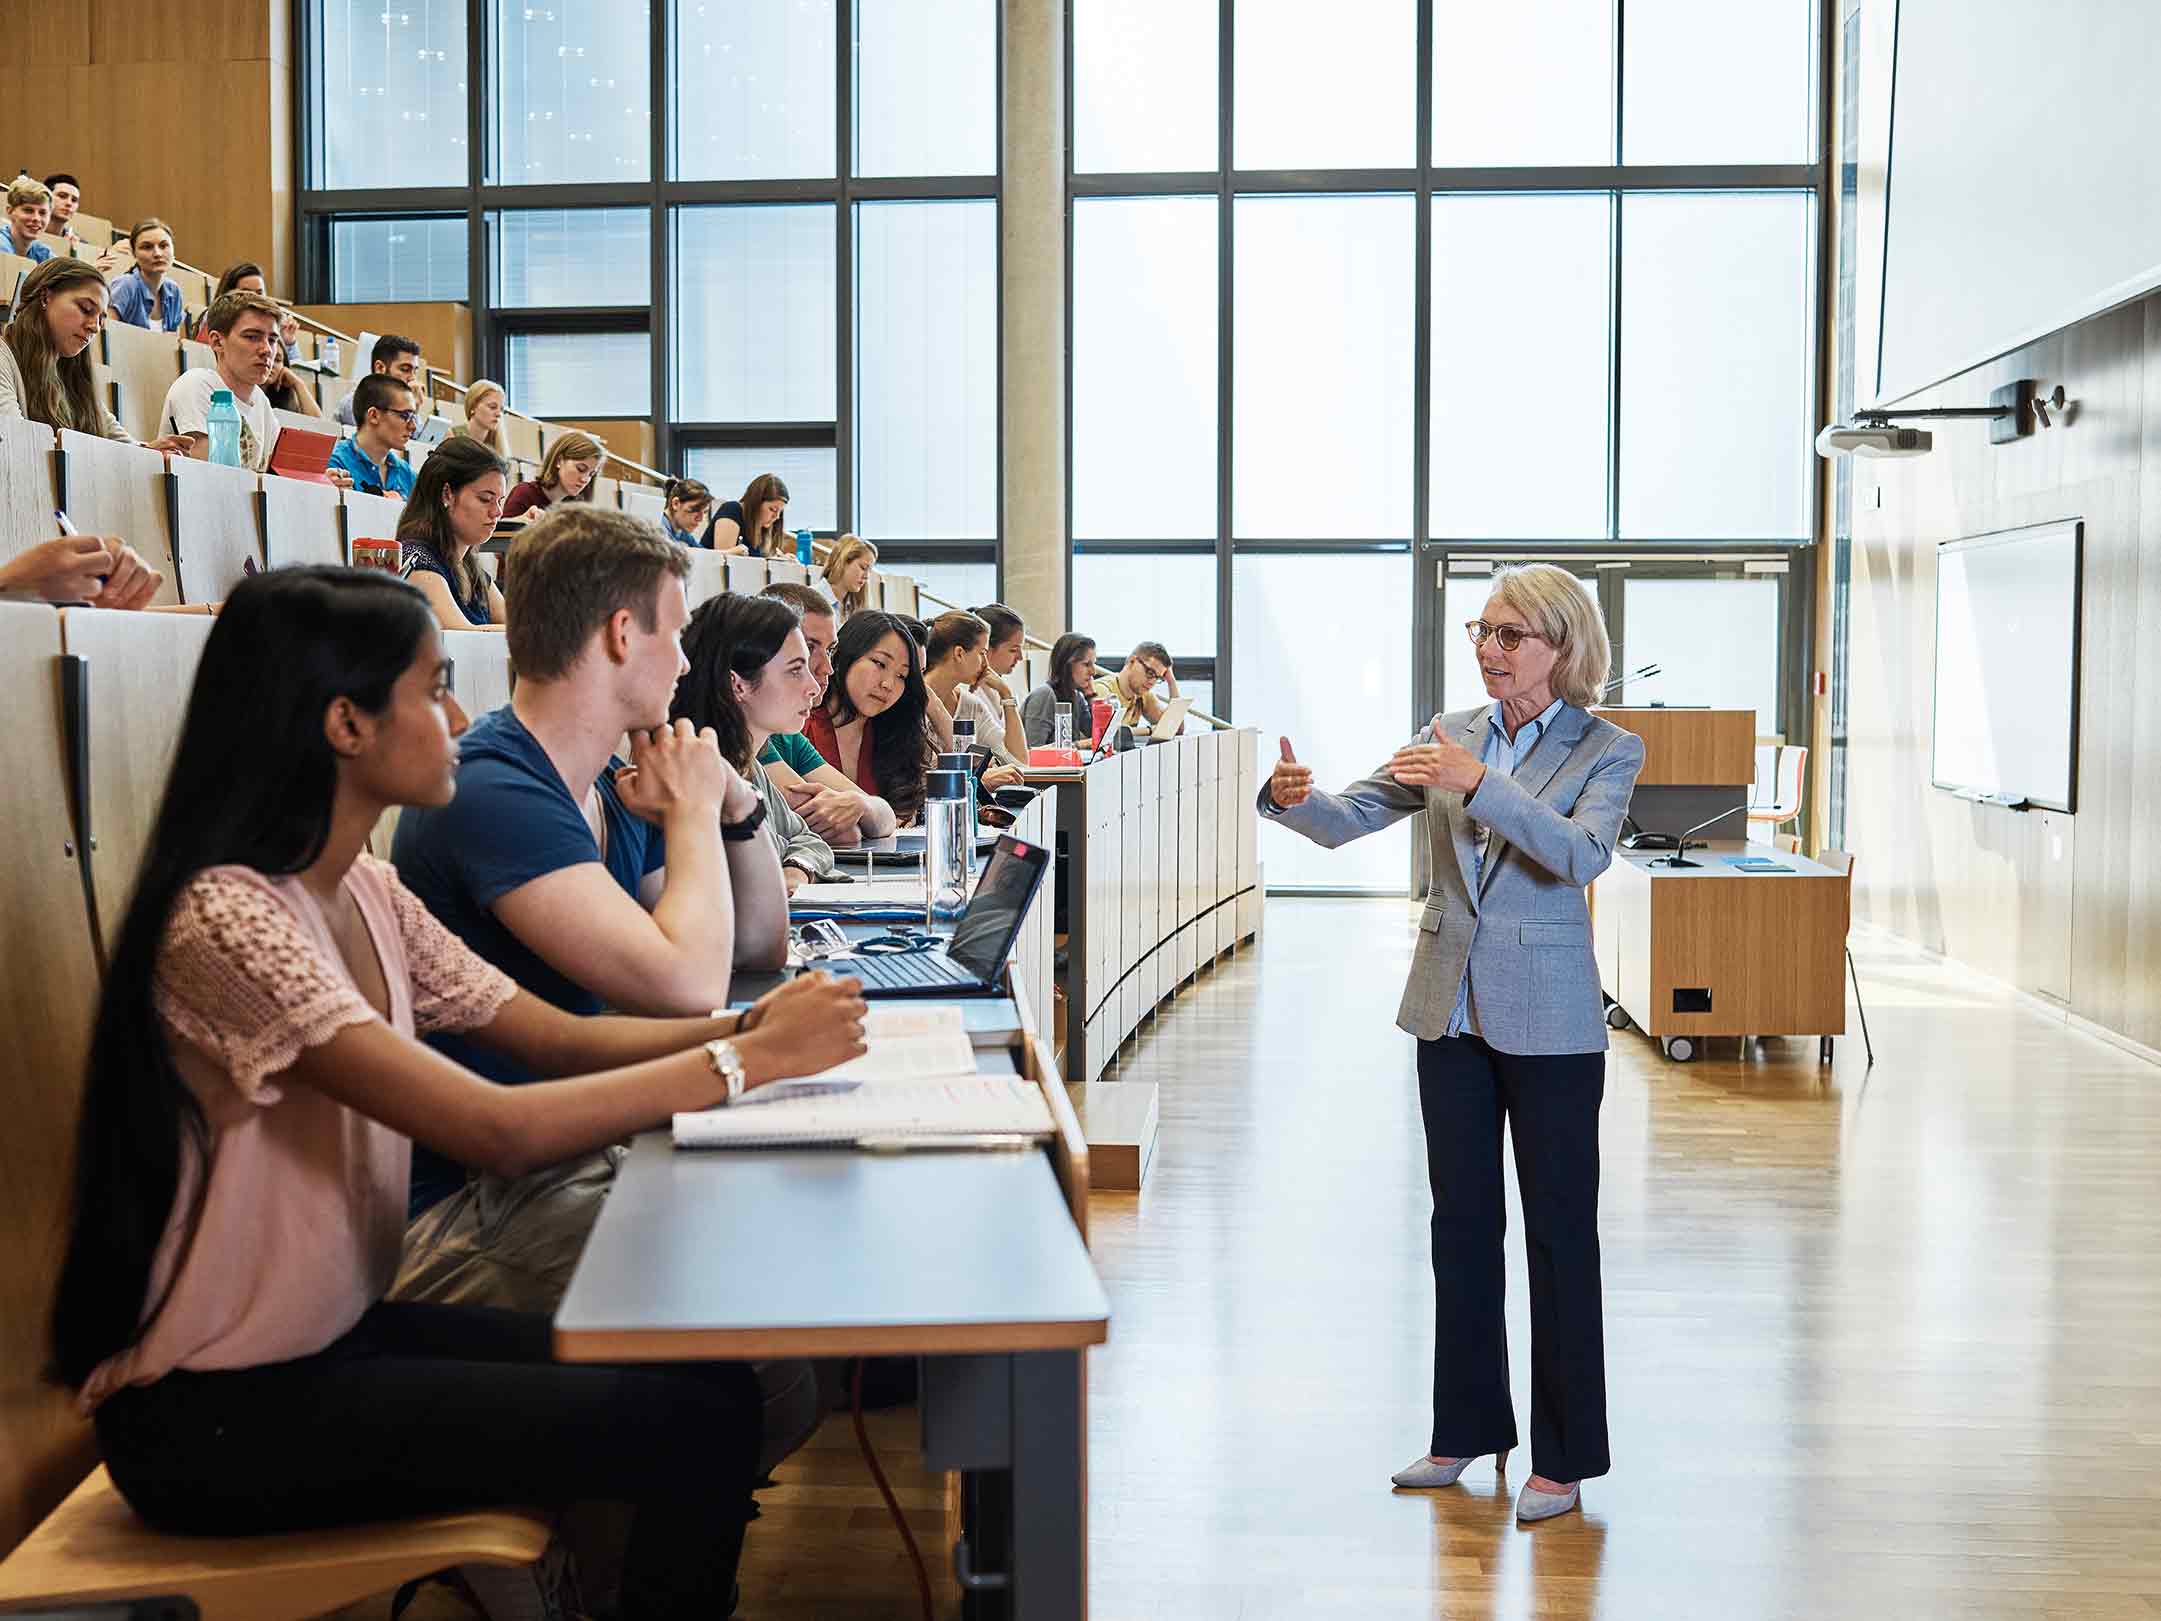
1290,784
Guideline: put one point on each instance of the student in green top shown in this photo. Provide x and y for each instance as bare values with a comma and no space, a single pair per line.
836,809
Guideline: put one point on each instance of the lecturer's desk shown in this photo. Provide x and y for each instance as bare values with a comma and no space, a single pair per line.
1715,951
970,1260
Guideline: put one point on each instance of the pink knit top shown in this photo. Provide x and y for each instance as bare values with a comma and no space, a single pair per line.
290,1226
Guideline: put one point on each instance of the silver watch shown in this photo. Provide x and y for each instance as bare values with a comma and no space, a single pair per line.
728,1065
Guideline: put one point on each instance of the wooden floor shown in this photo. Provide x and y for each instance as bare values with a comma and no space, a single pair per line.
1880,1343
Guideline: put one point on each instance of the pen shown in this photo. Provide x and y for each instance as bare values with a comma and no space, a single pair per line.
61,518
904,1145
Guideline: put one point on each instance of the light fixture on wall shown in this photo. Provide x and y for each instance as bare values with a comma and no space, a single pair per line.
2012,412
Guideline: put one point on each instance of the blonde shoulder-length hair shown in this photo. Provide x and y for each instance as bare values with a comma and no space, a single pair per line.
1555,603
474,394
845,551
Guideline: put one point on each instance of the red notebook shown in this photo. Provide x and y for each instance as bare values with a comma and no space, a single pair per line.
301,454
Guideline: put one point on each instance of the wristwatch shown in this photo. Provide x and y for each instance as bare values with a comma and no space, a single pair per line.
747,828
728,1065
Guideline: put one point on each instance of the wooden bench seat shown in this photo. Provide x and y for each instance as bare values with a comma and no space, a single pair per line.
92,1548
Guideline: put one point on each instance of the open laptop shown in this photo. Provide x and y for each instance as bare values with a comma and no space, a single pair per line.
969,962
1172,718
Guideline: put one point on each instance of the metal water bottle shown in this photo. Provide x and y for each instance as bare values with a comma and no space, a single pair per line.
948,842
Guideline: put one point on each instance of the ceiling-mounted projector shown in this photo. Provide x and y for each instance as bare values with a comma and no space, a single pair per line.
2012,412
1871,439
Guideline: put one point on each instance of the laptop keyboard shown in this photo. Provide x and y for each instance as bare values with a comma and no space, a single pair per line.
907,969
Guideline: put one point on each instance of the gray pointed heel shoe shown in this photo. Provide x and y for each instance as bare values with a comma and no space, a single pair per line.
1533,1504
1424,1473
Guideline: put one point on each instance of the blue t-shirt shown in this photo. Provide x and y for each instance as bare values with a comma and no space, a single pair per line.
393,478
511,822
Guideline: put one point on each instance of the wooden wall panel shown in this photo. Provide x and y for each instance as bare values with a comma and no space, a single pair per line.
625,436
2067,907
200,31
443,331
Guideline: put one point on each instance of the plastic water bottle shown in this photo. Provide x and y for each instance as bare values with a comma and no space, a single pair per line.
1061,728
802,547
964,747
327,354
948,842
224,425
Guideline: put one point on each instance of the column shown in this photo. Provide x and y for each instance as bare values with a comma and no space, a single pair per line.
1032,342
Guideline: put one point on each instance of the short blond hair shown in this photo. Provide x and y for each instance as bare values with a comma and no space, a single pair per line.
1556,604
28,193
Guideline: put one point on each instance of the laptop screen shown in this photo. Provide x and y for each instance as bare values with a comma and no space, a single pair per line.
984,935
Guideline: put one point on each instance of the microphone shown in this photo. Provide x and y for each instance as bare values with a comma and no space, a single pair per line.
1679,858
1632,675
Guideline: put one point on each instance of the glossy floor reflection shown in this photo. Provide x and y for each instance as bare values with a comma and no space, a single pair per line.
1878,1342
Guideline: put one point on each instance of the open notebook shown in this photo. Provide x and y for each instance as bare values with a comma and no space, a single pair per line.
916,1083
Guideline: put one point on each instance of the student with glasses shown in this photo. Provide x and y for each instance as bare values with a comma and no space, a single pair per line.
373,457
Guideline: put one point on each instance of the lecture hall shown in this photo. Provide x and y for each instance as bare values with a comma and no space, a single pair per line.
947,1080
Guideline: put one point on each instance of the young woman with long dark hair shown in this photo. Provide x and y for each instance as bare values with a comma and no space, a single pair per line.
749,680
45,372
874,724
254,1088
456,499
1072,677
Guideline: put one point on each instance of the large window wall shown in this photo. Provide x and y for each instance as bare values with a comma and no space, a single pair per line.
770,226
1359,309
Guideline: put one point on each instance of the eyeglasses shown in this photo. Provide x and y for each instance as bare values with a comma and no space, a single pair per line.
412,420
1510,637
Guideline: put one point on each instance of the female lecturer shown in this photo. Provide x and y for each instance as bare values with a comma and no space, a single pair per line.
1525,797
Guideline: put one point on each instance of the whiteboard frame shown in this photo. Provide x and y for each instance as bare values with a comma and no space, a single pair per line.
2001,537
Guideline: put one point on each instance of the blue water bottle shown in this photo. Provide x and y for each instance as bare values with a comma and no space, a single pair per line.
802,547
224,426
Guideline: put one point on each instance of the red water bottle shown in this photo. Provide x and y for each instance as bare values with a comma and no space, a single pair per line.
1102,711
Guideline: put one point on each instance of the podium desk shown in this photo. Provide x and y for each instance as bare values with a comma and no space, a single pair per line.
1713,950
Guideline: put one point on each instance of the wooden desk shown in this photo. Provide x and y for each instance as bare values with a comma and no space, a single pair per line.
1715,951
971,1260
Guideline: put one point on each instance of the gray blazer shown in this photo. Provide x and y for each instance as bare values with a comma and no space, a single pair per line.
1526,929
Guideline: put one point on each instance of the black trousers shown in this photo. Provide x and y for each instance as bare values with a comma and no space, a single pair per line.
1465,1091
425,1409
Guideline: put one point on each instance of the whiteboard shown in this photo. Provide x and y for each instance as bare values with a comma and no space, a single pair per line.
2007,666
2025,184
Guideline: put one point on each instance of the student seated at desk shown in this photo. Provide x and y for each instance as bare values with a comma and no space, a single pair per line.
846,576
254,1090
243,346
29,209
1131,692
685,506
67,196
147,296
566,474
757,525
45,372
484,402
448,517
959,652
987,699
392,356
287,392
874,722
750,680
372,457
1072,679
837,810
638,891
